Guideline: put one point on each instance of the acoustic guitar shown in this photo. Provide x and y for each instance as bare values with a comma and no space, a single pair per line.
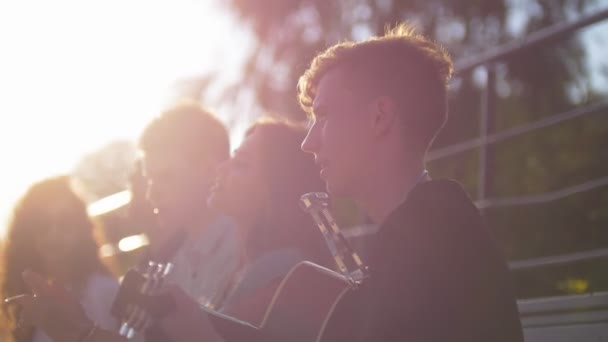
301,306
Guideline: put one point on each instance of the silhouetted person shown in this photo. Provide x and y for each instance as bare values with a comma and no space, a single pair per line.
182,149
50,233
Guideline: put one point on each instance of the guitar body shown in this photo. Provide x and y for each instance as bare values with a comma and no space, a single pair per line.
303,303
299,311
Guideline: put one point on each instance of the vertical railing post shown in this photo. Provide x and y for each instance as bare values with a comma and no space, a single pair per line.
487,127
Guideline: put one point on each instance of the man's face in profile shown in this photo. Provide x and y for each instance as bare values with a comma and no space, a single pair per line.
340,135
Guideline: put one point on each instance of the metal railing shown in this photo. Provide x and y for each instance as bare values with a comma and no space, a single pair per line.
488,138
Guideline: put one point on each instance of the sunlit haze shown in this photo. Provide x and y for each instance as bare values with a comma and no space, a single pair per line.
75,75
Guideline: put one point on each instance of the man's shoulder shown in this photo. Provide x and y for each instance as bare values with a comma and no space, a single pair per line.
437,222
439,193
435,204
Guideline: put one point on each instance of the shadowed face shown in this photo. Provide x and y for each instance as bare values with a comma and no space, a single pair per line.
340,136
240,190
177,187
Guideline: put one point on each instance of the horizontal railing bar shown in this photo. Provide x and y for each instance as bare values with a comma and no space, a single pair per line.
558,260
542,306
594,108
542,198
543,36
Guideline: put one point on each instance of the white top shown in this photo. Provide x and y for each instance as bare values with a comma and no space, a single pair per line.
205,265
96,299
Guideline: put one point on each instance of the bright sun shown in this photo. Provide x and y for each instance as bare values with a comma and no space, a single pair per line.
78,74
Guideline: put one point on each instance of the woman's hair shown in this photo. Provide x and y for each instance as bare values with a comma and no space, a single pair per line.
31,219
288,173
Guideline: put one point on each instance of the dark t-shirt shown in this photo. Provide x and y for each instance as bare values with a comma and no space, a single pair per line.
436,275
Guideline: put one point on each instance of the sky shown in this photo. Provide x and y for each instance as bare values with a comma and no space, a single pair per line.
75,75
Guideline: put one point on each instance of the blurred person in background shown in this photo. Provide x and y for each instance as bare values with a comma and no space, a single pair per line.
260,187
182,149
51,234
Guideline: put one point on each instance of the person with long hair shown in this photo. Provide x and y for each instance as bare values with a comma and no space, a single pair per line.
51,234
260,187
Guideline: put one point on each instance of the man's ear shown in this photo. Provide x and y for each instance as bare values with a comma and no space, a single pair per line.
384,115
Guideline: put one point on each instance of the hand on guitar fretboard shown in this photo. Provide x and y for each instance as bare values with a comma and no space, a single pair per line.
143,304
138,302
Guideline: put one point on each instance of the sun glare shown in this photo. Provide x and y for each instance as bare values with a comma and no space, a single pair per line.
79,74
